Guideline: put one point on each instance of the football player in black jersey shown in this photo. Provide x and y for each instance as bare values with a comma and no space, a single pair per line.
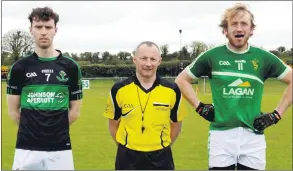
44,92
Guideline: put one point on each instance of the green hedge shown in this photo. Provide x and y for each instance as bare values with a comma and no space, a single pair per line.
100,70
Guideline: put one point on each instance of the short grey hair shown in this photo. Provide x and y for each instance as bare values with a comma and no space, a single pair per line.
148,43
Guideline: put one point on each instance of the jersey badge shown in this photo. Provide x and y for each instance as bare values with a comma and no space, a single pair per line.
255,64
62,76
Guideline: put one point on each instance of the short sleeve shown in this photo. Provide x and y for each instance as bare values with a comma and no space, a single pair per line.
275,68
178,111
75,82
112,110
15,79
199,67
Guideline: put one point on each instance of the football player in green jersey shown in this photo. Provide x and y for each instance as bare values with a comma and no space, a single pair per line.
237,73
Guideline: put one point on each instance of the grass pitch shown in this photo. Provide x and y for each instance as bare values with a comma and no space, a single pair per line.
94,149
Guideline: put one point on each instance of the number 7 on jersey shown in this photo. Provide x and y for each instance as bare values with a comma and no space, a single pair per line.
48,76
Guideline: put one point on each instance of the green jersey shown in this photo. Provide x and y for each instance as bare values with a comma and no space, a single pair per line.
237,82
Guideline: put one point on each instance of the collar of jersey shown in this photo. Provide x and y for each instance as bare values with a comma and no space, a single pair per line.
241,52
48,59
156,83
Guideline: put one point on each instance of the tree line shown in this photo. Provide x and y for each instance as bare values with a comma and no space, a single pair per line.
18,44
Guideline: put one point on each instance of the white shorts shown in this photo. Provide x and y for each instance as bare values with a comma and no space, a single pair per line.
237,145
43,160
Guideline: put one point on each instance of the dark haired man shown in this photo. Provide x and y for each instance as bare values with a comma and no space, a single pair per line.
44,98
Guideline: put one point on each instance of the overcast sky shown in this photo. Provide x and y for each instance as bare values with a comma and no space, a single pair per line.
114,26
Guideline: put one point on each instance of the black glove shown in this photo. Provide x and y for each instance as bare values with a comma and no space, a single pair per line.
206,111
265,120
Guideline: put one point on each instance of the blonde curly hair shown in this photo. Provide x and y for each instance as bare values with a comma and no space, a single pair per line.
231,12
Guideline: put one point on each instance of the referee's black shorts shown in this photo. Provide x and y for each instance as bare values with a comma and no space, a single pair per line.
127,159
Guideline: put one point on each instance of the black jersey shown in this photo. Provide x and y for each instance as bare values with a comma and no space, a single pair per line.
46,86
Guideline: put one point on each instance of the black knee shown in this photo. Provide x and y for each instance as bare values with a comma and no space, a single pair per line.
232,167
242,167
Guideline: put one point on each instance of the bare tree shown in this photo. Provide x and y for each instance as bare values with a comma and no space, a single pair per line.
123,55
105,55
166,56
198,47
18,42
184,54
210,46
75,56
95,57
164,50
281,49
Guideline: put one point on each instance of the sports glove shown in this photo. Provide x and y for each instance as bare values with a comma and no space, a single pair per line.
265,120
206,111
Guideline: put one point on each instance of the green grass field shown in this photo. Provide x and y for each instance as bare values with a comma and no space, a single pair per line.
94,149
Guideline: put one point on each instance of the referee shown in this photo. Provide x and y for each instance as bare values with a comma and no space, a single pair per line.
145,114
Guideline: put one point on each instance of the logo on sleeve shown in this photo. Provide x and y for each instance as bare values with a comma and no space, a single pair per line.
107,109
8,75
62,77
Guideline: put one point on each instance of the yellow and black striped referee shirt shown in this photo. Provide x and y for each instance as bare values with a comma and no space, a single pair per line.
145,115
